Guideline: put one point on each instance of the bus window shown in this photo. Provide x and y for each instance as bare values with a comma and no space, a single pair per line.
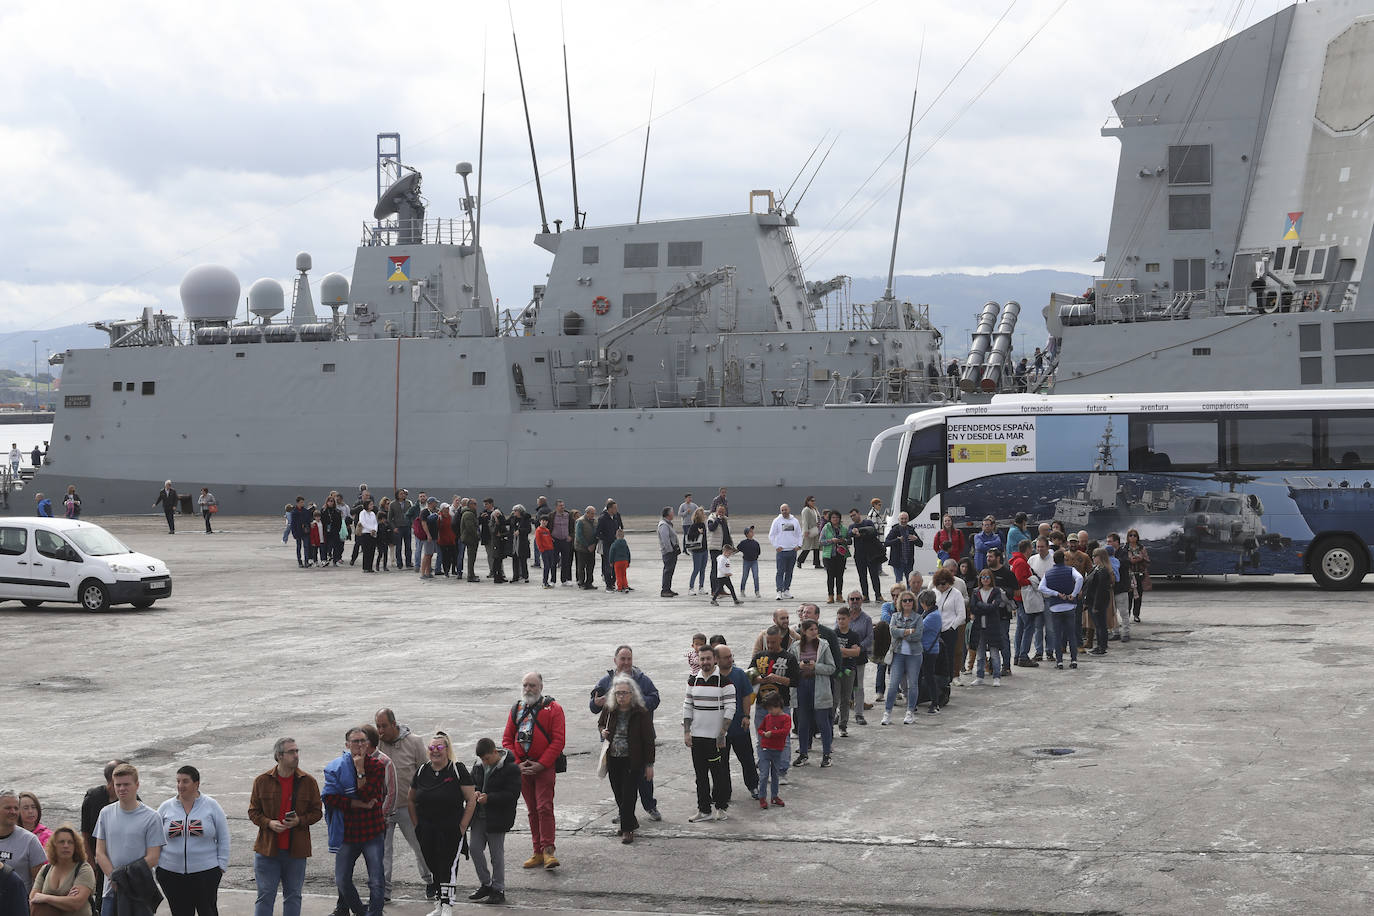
1349,442
1158,445
1271,442
925,464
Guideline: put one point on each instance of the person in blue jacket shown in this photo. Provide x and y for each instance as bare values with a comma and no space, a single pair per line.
930,649
44,505
625,664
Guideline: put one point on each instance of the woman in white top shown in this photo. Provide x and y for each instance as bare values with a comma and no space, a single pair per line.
952,616
367,534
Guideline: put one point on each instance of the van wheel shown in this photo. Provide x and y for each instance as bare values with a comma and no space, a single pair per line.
142,603
1339,564
95,596
30,602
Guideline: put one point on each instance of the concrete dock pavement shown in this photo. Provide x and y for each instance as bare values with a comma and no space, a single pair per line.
1220,761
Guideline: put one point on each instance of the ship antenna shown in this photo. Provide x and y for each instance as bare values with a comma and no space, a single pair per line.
906,157
578,215
819,166
644,166
802,170
529,129
481,152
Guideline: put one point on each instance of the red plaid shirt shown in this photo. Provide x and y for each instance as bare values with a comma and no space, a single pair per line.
362,824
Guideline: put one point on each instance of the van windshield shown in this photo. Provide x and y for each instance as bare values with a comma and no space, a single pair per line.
97,542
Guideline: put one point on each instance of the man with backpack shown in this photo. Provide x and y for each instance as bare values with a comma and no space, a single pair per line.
536,733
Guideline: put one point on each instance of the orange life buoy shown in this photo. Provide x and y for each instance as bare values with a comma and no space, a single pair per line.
1312,301
601,304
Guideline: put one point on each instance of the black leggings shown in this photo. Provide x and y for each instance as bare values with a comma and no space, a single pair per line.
834,575
191,894
815,557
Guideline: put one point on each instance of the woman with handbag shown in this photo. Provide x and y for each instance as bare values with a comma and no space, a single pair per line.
208,507
63,886
627,727
835,553
696,546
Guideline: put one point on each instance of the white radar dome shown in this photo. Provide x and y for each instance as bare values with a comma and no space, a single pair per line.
209,292
334,290
266,298
303,261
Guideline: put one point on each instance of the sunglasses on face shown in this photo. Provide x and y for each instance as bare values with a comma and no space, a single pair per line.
438,747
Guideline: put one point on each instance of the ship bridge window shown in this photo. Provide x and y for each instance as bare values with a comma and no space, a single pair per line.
1190,211
1270,442
634,303
1159,445
150,387
641,254
591,254
1190,164
684,254
1348,441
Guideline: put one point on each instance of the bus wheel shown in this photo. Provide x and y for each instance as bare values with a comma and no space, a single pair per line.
1339,563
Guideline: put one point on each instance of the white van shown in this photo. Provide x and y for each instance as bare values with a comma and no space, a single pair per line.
60,559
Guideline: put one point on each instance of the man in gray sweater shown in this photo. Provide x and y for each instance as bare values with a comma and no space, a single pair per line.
670,547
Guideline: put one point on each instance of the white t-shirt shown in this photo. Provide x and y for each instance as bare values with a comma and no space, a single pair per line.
127,835
722,567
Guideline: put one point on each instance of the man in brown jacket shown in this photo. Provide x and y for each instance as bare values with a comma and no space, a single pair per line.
284,803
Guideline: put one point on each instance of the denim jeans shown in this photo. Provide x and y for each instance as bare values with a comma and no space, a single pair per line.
770,769
759,713
1062,629
698,577
278,869
1031,630
750,566
786,563
989,654
901,574
904,675
1004,630
373,852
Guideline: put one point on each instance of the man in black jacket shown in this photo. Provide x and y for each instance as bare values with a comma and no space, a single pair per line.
902,541
167,499
606,526
868,553
496,778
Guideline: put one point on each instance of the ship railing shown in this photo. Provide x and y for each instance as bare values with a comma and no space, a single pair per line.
437,231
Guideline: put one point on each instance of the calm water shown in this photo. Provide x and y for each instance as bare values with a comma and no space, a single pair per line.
27,435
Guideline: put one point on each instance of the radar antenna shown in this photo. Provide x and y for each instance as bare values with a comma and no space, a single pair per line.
644,166
906,158
579,218
529,129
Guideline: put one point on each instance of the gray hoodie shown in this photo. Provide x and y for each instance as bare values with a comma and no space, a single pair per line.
408,753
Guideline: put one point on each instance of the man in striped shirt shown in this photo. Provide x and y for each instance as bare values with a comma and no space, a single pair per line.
706,713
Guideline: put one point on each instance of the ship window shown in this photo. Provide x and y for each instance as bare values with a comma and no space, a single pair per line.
1152,267
1309,337
1318,261
641,254
150,387
1300,266
1279,255
14,542
128,386
1310,370
634,303
1355,368
1349,442
1202,351
1354,335
591,254
1190,274
328,367
240,355
1190,211
684,254
118,386
539,359
1190,164
1271,442
1158,445
479,379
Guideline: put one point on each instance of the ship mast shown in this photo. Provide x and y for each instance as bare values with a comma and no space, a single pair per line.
906,159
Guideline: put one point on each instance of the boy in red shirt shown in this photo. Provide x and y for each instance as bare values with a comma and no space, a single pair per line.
548,556
773,732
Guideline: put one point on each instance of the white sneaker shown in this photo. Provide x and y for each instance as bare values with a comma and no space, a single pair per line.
957,682
778,596
978,682
887,720
438,910
997,682
910,717
446,910
721,815
756,594
700,816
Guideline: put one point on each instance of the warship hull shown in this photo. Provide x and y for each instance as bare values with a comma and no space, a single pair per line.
261,427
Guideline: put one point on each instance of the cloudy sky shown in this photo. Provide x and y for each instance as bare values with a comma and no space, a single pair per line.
142,138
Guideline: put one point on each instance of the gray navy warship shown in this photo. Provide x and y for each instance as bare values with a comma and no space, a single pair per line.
685,354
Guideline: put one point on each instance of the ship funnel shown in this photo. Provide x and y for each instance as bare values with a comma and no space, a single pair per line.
999,360
302,305
266,298
982,342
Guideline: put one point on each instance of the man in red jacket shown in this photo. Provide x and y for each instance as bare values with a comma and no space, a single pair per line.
535,734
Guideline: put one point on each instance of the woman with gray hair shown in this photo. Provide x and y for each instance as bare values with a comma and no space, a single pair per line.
629,728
